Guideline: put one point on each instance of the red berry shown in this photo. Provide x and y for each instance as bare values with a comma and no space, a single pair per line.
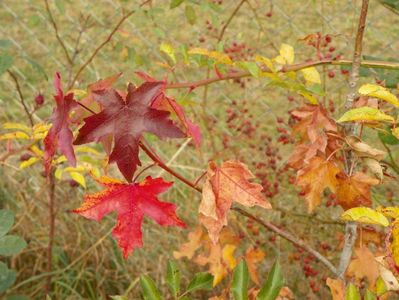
331,74
269,14
290,98
328,39
39,99
331,49
25,157
73,183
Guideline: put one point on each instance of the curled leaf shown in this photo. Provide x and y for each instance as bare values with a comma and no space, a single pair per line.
377,91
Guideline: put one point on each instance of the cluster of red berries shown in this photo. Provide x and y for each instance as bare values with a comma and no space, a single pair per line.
239,51
332,200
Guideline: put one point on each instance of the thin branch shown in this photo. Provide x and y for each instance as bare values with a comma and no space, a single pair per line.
287,68
105,42
235,11
51,199
55,27
16,151
289,237
350,129
21,97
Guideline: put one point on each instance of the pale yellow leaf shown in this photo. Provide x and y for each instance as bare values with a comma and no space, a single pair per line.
29,162
266,61
395,132
287,53
17,126
219,57
168,50
377,91
79,178
365,113
14,135
365,215
311,75
58,173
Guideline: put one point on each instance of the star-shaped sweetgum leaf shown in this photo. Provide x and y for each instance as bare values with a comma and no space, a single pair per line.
126,120
131,202
60,135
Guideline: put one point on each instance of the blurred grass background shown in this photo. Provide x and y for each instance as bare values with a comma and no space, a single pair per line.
87,262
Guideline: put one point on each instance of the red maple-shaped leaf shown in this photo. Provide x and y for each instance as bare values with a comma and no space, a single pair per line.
59,135
126,120
131,202
169,104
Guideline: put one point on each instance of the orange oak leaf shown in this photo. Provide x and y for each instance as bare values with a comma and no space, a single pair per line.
60,135
363,266
131,202
225,184
218,257
315,178
353,191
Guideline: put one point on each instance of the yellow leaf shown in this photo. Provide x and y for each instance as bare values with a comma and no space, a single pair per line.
391,212
58,173
37,151
168,50
219,57
365,215
18,126
29,162
379,92
60,159
79,178
86,149
365,113
79,93
228,255
14,135
309,97
286,56
395,132
266,61
311,75
75,169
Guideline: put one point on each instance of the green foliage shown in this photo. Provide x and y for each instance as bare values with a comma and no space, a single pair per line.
6,61
239,284
9,245
150,291
173,278
352,293
273,284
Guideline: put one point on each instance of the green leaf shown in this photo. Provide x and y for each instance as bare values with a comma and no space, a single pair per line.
150,291
175,3
251,67
5,62
5,44
190,14
352,292
17,297
7,277
273,284
365,215
168,50
240,281
6,221
11,244
201,281
370,295
173,278
365,113
387,137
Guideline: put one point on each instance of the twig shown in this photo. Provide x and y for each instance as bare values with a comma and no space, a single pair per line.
52,21
16,151
51,198
106,41
21,97
351,227
285,69
235,11
393,164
